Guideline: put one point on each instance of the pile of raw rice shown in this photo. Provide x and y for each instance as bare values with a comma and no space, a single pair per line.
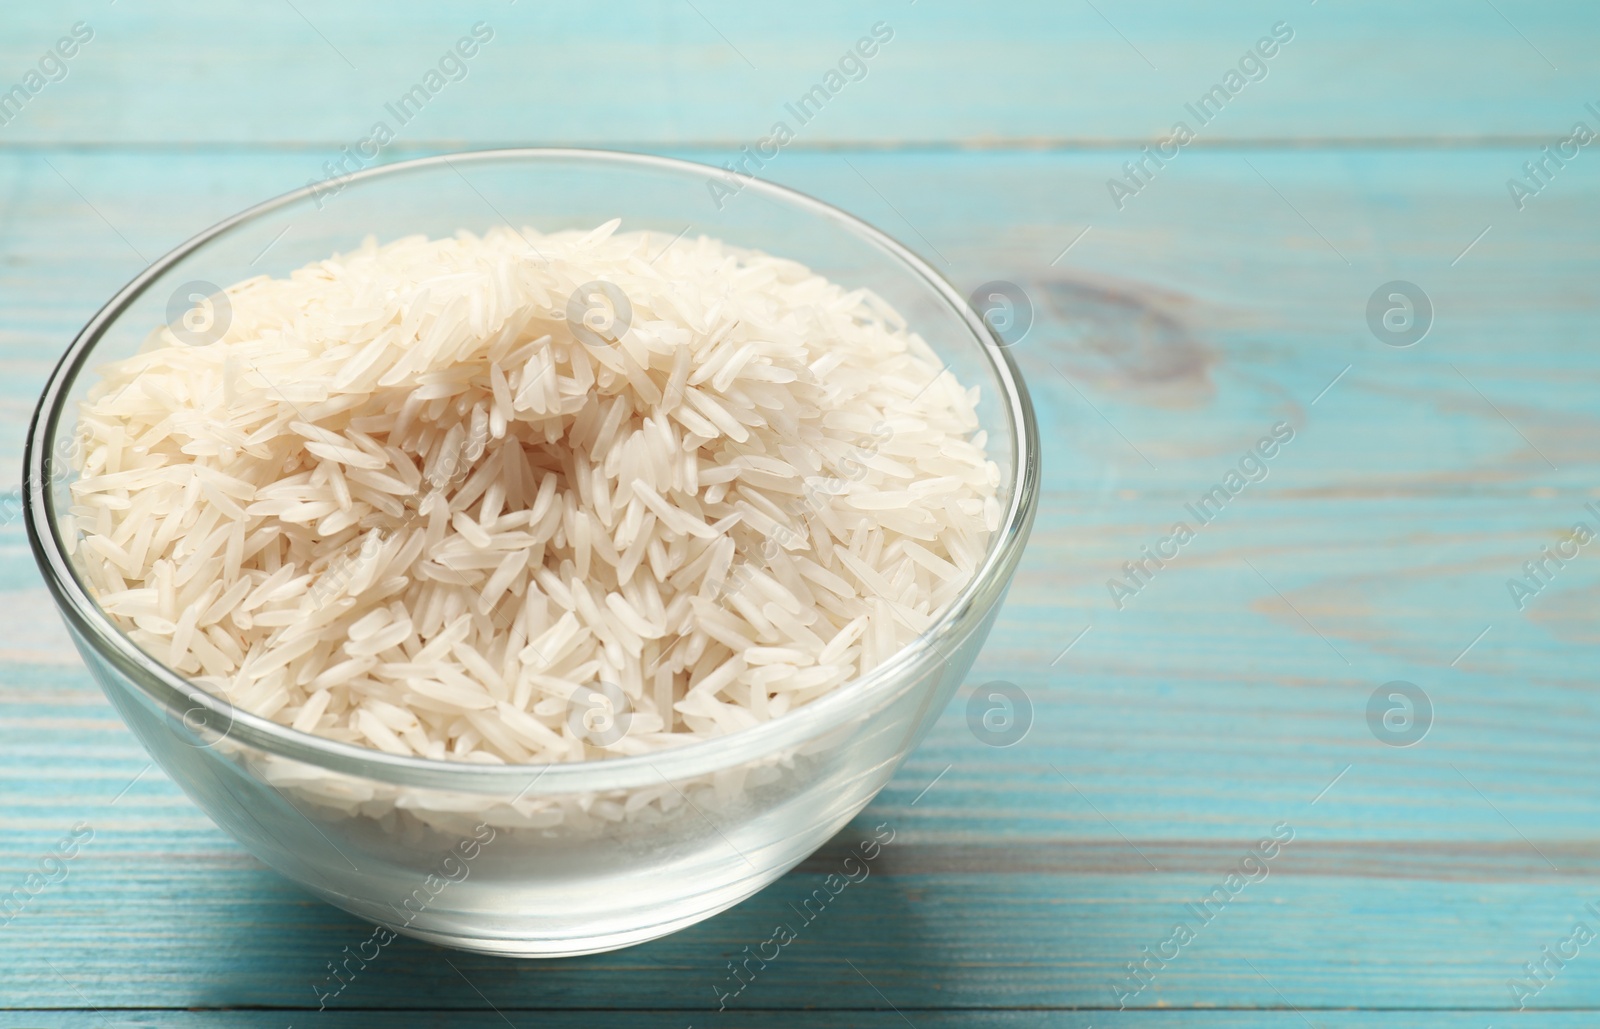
402,503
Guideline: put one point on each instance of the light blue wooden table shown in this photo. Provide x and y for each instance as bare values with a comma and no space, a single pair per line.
1174,725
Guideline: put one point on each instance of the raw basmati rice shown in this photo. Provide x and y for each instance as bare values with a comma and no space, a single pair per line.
436,498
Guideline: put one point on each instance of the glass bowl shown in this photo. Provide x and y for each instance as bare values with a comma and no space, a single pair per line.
551,860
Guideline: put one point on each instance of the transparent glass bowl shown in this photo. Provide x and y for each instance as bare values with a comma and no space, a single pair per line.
538,861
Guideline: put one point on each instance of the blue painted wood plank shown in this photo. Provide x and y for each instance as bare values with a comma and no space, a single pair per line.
660,72
854,1019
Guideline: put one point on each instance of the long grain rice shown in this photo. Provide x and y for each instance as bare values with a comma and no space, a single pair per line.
402,503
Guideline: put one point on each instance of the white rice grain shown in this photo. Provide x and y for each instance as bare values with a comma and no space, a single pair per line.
401,503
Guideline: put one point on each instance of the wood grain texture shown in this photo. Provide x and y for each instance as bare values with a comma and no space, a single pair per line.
662,73
853,1019
1227,696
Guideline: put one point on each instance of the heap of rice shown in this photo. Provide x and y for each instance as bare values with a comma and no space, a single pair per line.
405,502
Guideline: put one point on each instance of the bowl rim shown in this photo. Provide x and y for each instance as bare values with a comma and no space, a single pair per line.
171,691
